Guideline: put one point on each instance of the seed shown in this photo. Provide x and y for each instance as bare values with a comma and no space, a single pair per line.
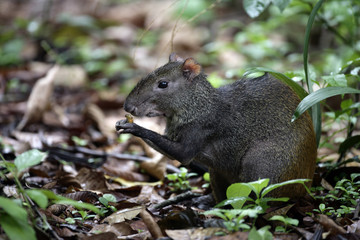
129,118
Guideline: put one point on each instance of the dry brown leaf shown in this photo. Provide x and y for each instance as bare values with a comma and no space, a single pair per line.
84,196
354,228
329,225
96,114
148,194
73,76
91,179
102,235
280,211
326,185
35,139
127,183
122,215
194,233
156,167
39,100
153,227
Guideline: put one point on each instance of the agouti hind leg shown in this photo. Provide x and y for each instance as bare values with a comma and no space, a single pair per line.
219,185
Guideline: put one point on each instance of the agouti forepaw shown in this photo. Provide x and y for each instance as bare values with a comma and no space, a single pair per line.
126,127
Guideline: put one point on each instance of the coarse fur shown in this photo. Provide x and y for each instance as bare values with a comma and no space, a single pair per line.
242,131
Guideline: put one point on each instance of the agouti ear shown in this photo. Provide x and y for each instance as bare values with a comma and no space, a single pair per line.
175,58
191,69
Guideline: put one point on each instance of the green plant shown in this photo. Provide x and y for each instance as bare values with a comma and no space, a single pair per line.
14,214
79,141
83,216
234,219
286,221
179,181
345,195
260,234
238,193
206,177
105,199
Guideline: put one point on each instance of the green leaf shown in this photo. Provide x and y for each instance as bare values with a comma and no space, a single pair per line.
110,197
62,200
337,80
281,4
39,197
16,228
206,177
277,185
259,185
255,7
14,210
215,212
238,191
260,234
236,202
79,205
318,96
316,112
349,143
29,159
306,41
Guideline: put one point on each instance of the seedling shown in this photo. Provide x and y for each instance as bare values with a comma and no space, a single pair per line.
179,181
286,222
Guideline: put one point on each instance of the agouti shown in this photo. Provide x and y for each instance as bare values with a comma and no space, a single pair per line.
241,131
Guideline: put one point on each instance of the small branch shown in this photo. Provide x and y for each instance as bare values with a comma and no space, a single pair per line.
177,199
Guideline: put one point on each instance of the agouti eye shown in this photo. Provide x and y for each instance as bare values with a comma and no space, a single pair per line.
163,84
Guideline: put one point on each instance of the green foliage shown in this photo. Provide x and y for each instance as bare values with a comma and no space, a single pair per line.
320,95
79,141
234,219
179,181
238,193
345,195
206,177
286,221
14,220
255,7
29,159
14,217
105,199
260,234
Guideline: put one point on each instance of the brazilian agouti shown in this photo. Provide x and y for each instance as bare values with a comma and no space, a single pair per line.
241,131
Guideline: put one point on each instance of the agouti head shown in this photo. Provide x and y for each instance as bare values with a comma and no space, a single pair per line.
160,92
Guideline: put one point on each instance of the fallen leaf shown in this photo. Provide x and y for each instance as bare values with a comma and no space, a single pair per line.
329,225
122,215
91,179
96,114
39,100
156,167
153,227
131,184
195,233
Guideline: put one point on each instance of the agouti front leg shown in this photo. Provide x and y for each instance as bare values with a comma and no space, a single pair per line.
173,150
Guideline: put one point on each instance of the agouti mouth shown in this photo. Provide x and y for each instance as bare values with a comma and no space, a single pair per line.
155,114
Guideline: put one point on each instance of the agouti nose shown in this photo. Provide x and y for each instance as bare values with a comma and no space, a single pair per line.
129,108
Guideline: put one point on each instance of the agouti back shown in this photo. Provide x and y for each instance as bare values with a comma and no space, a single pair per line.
242,131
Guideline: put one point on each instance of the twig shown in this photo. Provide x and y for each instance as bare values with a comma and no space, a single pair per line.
36,211
176,199
103,154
